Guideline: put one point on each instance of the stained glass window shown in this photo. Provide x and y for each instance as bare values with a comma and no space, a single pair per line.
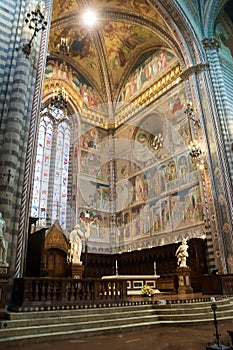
61,174
51,169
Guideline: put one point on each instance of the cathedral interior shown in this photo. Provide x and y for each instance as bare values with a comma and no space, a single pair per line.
122,121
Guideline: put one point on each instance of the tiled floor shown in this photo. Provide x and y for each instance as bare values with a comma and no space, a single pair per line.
159,338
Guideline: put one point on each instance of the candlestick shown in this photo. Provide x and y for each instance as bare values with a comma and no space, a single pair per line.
116,268
155,267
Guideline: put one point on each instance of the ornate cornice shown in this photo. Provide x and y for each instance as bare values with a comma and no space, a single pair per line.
137,104
154,91
161,240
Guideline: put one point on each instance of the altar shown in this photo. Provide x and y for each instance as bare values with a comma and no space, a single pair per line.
136,282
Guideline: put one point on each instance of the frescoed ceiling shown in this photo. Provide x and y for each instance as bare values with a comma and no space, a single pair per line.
102,58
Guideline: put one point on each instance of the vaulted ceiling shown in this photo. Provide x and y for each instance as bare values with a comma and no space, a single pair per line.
103,58
127,33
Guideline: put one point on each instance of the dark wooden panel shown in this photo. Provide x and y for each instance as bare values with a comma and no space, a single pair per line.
35,254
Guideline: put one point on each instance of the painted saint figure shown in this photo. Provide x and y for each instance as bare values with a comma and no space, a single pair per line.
182,253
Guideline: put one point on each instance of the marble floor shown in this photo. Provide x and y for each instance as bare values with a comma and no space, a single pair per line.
157,338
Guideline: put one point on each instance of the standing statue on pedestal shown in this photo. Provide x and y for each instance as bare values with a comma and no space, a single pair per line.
75,245
182,253
3,251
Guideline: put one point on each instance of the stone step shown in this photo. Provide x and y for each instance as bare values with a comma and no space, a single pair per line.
189,304
82,319
48,336
200,312
72,311
195,316
185,310
110,314
79,325
60,324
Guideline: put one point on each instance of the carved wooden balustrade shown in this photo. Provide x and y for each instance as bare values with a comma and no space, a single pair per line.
30,294
45,293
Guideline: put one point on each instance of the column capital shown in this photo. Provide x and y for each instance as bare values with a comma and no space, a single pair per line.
211,44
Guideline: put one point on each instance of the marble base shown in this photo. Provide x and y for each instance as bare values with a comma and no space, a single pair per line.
4,276
183,273
77,270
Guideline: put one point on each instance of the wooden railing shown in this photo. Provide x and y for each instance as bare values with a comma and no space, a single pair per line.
43,293
54,293
217,284
227,284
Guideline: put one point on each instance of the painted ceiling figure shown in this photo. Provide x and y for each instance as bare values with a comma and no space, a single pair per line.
80,45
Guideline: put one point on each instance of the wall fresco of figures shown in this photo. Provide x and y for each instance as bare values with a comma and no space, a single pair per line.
150,70
91,189
59,70
158,189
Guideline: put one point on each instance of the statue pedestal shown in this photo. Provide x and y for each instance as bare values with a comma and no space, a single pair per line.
183,274
77,270
4,276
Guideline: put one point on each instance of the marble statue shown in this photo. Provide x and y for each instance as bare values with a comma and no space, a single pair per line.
75,245
3,250
182,253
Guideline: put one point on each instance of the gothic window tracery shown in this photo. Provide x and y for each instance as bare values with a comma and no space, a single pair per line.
51,167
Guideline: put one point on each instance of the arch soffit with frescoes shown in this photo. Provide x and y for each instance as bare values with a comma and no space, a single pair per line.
117,47
105,60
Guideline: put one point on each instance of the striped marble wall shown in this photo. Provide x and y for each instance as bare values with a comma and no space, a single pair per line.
20,86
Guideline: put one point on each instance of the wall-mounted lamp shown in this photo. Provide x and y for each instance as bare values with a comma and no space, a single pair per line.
189,112
195,150
35,21
63,48
60,98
